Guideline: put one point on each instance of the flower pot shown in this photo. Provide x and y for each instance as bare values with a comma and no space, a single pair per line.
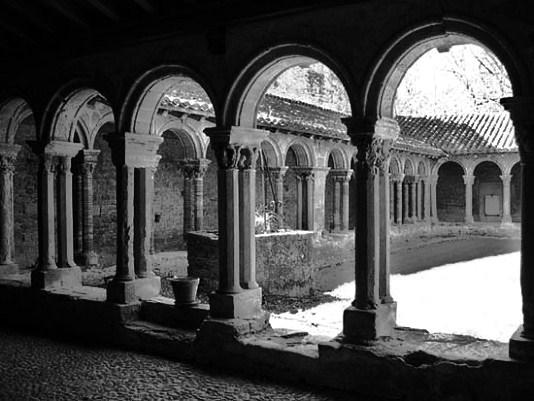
185,290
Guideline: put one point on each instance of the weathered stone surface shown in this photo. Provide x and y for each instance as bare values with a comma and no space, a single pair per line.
242,305
362,325
162,310
70,277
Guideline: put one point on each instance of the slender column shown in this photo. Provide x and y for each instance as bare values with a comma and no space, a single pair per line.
468,181
236,151
522,114
8,157
427,216
144,196
434,197
345,201
278,174
337,204
405,201
65,215
372,313
506,215
198,194
79,211
90,159
194,171
391,200
188,198
310,183
247,203
47,213
419,206
300,201
413,201
399,199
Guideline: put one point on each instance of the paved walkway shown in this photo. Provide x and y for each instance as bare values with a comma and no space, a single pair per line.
34,368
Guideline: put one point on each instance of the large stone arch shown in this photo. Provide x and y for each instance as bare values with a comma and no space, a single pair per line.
190,139
409,167
140,107
303,155
338,159
272,153
392,64
255,78
12,113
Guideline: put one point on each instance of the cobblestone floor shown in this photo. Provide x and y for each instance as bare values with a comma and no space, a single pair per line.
34,368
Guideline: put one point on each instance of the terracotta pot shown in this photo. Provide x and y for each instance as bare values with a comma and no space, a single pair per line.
185,290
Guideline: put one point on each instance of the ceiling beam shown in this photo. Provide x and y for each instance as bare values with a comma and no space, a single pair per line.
105,9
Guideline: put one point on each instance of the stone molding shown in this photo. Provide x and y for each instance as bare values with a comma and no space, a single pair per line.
194,168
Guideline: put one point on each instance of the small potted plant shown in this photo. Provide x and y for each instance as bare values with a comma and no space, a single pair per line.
185,290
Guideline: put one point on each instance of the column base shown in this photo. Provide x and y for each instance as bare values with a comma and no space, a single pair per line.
63,277
469,220
127,292
10,268
362,325
242,305
213,330
506,220
521,348
91,259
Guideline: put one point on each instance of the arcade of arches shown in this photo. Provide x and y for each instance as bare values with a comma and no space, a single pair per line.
116,168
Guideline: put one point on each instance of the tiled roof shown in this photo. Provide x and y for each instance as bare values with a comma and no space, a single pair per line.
462,134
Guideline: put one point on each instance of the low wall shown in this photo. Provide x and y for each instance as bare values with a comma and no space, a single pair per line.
292,263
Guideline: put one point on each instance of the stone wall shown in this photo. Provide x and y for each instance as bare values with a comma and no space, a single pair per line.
451,194
293,263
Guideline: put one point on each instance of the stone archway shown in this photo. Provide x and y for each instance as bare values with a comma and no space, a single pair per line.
450,192
487,192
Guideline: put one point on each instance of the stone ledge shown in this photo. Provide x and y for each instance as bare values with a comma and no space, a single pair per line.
161,310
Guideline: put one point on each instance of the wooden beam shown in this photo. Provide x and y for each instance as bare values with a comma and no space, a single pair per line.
146,5
64,10
105,9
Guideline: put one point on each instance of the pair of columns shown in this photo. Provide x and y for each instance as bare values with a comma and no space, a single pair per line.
84,239
56,218
194,171
373,311
469,180
341,205
8,157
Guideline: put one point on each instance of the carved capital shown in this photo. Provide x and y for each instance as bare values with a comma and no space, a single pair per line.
506,179
48,163
194,169
341,175
236,156
469,179
64,165
373,153
7,163
278,173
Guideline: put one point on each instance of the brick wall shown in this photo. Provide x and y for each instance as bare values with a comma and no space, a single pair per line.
25,199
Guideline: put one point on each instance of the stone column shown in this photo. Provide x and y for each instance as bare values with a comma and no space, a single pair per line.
399,181
434,197
194,171
278,174
87,168
468,181
300,202
413,201
336,204
56,165
391,200
506,214
419,206
65,214
345,200
134,157
78,210
372,313
522,114
236,151
8,157
405,201
144,196
427,215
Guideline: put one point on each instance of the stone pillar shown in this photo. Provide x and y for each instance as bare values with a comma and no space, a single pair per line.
468,181
134,157
419,206
413,201
87,168
345,200
391,200
434,197
8,157
506,214
278,174
78,210
300,202
399,199
144,197
405,201
427,214
56,165
522,114
372,313
236,151
194,171
337,205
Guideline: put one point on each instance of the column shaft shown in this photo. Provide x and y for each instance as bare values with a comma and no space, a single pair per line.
300,201
7,239
419,206
336,204
188,202
468,180
427,216
79,211
144,195
247,203
47,213
405,201
125,223
434,197
413,201
506,214
399,201
65,214
345,203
